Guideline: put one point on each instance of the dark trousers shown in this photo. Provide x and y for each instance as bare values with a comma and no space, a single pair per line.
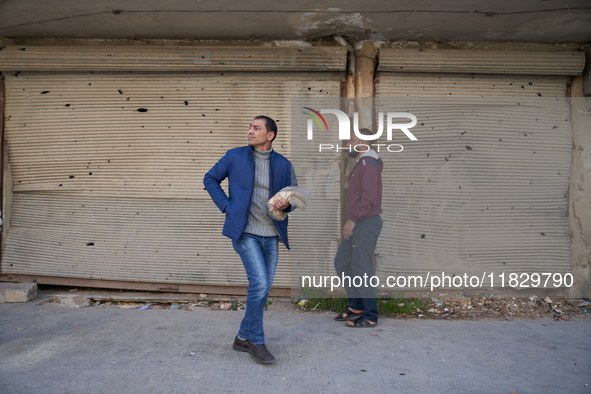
355,259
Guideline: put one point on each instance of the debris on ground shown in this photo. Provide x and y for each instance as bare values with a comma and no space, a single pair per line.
476,307
302,302
498,307
234,305
580,303
146,307
71,301
142,306
440,307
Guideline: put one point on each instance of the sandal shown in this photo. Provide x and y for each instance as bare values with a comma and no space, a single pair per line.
362,323
350,315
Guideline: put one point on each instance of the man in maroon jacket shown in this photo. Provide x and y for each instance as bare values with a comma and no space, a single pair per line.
354,257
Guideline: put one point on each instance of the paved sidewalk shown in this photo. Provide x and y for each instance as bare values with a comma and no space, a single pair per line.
53,349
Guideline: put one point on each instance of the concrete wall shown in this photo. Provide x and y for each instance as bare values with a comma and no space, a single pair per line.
580,191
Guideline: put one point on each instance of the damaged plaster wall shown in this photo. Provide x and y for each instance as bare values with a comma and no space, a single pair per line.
310,24
580,192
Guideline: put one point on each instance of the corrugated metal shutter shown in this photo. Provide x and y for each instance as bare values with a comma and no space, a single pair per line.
473,195
462,85
321,222
107,170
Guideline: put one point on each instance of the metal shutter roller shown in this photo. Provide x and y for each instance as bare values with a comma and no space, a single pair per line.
171,58
481,62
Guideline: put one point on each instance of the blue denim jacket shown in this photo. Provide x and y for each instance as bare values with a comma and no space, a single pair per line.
238,166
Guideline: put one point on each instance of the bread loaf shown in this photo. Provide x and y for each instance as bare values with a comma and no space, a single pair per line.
296,196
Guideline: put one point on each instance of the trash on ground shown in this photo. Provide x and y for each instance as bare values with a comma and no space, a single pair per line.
149,306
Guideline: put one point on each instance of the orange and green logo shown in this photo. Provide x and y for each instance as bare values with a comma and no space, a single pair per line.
316,118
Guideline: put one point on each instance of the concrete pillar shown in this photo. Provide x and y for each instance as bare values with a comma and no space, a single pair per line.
579,207
364,83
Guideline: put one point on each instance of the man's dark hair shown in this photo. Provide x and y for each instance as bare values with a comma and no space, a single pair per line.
270,125
367,132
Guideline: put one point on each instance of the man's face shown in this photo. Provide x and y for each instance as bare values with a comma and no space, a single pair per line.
258,136
354,141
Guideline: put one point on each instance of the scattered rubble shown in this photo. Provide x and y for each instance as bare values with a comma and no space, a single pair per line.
17,292
459,307
71,301
497,307
142,306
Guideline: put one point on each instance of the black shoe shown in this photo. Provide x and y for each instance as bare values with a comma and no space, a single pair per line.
258,352
240,345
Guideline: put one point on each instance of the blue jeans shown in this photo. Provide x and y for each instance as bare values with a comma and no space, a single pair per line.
259,256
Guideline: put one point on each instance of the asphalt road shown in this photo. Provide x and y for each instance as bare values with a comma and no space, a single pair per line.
46,348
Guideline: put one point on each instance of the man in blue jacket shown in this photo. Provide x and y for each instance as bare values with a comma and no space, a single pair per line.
255,173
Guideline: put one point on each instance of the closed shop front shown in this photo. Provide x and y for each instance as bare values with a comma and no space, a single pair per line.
106,149
484,189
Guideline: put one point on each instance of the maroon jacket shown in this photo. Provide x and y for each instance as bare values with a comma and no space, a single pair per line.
365,188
